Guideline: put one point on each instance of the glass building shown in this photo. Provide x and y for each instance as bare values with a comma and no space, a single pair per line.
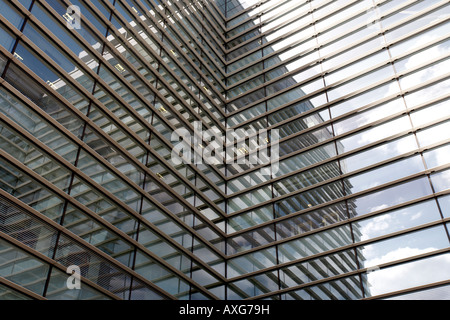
91,93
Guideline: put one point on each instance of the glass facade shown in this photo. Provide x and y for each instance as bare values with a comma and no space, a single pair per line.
92,92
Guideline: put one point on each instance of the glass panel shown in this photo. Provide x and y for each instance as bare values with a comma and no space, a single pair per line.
368,116
7,41
250,239
250,218
305,159
307,178
8,294
431,113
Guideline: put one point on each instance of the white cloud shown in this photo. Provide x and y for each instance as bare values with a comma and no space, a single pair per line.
410,274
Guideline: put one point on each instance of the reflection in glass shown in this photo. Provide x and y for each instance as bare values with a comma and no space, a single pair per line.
402,246
343,289
396,220
407,275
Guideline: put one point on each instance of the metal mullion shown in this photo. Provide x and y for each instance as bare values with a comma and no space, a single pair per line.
275,66
332,251
363,270
159,232
100,159
269,20
182,119
168,87
214,32
199,33
221,82
262,35
186,72
98,79
60,229
201,47
413,51
403,22
286,75
306,12
218,18
303,67
106,224
53,263
303,82
26,15
310,11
